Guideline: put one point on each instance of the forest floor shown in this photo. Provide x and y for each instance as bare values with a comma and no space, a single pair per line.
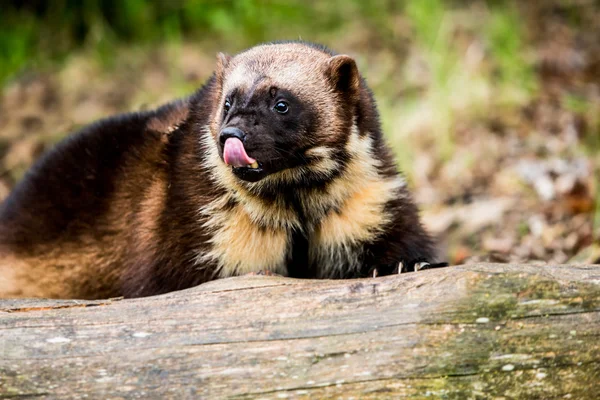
511,180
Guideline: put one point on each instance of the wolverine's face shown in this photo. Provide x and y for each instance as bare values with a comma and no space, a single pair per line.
282,107
264,129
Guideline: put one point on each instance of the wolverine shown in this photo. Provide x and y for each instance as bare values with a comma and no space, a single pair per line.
277,164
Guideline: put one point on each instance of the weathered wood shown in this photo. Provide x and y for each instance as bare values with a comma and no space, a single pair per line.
479,331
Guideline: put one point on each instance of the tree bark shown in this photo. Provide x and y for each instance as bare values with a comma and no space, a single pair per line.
476,331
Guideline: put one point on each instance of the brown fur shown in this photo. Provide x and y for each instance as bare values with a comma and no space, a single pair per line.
143,203
169,121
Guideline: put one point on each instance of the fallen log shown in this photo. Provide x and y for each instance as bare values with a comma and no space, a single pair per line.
477,331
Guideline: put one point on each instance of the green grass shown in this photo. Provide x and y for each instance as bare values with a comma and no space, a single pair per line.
504,34
55,30
432,28
482,73
16,44
52,32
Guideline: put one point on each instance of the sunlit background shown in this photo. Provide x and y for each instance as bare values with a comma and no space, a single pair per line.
492,107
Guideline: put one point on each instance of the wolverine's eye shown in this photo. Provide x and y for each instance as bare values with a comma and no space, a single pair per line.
227,106
281,107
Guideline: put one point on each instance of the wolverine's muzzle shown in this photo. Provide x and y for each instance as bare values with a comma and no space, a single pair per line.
245,167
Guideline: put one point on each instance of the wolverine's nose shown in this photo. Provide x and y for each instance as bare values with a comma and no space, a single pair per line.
231,132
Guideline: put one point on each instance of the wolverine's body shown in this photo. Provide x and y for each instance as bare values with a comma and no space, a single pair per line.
277,164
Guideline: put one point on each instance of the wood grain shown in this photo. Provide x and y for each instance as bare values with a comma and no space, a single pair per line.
477,331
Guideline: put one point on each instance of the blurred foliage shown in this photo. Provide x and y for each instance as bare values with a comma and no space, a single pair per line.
37,32
34,32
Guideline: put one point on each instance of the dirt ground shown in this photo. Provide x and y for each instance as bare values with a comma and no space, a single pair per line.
520,184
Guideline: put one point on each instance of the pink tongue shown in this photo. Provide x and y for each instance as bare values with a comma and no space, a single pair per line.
235,154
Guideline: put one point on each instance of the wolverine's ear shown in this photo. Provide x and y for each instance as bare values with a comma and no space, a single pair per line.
343,74
222,61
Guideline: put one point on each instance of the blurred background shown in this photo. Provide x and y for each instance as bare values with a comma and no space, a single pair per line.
492,107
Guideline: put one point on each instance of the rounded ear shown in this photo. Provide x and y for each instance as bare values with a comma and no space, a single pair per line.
222,62
343,74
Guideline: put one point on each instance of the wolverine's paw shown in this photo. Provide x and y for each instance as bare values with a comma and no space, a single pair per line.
419,265
262,273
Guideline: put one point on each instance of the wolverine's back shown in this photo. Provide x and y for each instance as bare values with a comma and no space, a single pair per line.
66,228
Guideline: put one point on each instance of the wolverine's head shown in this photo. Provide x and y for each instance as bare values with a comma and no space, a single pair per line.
284,110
